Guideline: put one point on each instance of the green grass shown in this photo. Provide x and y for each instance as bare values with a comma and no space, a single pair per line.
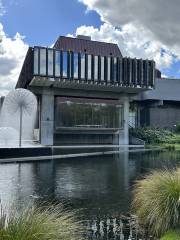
36,223
157,201
171,235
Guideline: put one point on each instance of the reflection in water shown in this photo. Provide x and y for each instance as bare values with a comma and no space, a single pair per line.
102,186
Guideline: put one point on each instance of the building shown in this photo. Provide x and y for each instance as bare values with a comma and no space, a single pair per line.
84,88
161,106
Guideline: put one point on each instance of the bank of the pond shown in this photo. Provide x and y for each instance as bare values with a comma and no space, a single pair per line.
157,137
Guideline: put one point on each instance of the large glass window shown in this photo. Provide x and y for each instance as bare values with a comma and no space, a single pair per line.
57,63
36,62
89,67
50,62
65,64
102,68
84,114
95,67
42,61
108,69
75,65
82,66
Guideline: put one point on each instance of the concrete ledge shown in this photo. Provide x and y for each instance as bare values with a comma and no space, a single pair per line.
64,156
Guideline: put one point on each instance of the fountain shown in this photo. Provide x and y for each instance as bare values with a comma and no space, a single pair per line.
17,117
8,136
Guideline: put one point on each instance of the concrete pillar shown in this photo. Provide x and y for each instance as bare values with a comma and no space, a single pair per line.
124,133
47,119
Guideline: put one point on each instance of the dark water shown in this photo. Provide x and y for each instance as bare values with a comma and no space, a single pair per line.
101,185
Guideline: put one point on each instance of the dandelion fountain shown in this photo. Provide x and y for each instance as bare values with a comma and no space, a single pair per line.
17,117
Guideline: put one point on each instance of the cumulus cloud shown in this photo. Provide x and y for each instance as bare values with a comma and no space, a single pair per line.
131,43
12,54
142,28
161,17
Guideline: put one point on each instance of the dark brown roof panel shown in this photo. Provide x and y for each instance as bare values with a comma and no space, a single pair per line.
88,46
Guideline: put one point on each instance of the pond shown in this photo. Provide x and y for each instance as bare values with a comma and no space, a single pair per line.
101,186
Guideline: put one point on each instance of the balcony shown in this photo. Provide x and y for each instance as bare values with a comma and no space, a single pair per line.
58,68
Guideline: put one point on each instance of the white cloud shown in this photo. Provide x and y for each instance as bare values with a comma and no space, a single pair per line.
142,28
161,17
12,54
130,42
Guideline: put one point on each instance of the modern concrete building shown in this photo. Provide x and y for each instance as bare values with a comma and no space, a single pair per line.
84,89
161,106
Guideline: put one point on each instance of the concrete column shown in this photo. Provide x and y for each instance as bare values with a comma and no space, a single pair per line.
47,119
124,133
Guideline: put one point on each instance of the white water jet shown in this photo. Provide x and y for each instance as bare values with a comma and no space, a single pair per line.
19,112
8,137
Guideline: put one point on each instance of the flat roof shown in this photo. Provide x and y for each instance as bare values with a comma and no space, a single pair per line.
167,89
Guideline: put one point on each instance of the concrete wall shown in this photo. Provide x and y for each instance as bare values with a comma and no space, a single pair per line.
164,116
47,118
124,133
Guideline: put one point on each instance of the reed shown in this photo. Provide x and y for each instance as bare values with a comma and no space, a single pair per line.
40,223
157,201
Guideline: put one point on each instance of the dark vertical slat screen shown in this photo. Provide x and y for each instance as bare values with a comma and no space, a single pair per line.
68,65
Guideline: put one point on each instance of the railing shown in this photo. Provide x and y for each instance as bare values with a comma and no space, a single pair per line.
79,66
82,67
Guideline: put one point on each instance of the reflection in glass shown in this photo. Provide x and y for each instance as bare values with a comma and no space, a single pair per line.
88,114
43,61
75,65
82,66
115,69
50,62
65,64
89,67
57,63
108,69
95,67
36,64
102,68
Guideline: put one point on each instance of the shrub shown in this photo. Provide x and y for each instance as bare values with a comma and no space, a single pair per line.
155,135
51,223
157,201
171,235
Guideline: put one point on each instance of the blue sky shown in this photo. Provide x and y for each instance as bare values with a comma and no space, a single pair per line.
42,21
139,27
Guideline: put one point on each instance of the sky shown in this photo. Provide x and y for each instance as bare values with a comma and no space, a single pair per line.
141,28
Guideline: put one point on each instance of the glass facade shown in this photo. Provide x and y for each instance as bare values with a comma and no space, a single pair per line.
75,65
96,68
89,67
50,62
57,63
108,69
36,61
82,66
102,68
115,69
84,114
63,64
43,61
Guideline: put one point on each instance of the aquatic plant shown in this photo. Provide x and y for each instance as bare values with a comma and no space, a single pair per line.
157,201
37,223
